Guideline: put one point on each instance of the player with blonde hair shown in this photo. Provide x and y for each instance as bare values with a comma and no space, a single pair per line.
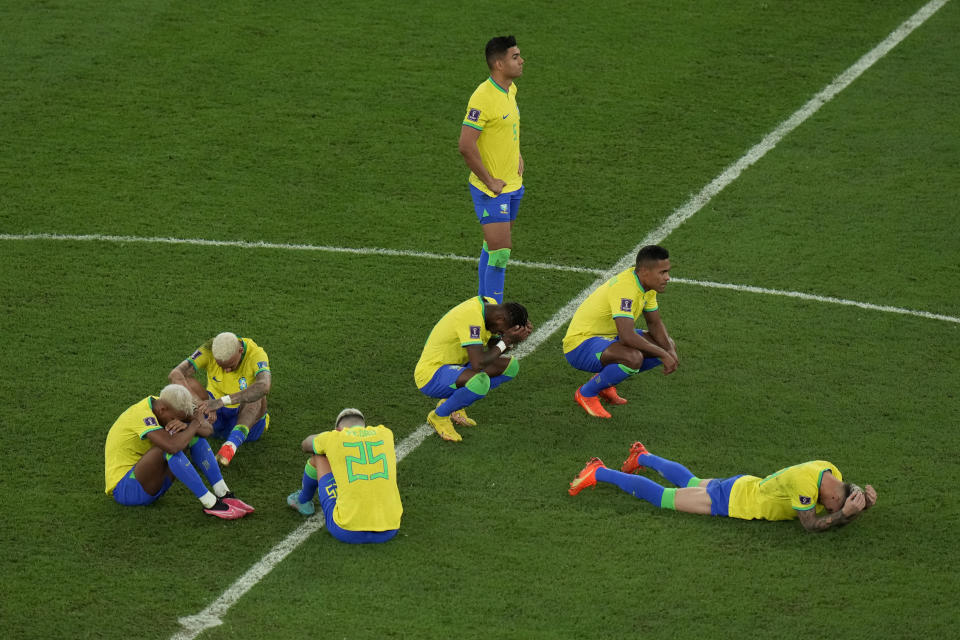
145,449
238,380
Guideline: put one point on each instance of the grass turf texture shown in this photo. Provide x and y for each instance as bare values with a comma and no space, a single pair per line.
338,126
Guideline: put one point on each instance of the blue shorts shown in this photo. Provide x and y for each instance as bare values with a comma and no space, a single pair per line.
501,208
130,493
719,492
328,500
586,355
227,420
444,381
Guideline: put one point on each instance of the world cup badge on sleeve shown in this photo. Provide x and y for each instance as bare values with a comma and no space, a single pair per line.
626,304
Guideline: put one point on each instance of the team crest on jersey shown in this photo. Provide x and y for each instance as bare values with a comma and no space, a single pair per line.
151,422
804,500
243,383
473,115
474,332
626,304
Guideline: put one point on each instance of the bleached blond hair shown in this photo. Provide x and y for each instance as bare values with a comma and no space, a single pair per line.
178,397
224,346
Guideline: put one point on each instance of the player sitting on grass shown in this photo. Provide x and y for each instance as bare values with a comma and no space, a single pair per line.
145,452
603,337
802,491
238,381
458,368
354,470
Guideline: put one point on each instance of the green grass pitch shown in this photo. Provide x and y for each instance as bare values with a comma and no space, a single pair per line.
336,125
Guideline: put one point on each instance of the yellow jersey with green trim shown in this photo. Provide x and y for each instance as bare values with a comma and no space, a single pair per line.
780,495
364,465
447,343
493,111
253,362
621,296
127,441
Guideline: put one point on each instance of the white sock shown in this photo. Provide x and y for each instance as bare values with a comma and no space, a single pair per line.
208,500
221,489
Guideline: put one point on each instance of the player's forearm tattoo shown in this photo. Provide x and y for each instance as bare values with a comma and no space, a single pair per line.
835,519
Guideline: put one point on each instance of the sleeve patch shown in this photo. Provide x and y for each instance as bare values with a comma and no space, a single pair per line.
196,354
473,115
805,500
626,304
150,421
474,332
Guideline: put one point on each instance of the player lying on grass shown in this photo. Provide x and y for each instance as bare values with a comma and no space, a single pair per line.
145,451
803,491
238,381
603,337
459,364
354,470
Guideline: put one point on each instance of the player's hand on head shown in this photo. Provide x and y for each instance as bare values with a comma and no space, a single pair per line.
870,494
855,503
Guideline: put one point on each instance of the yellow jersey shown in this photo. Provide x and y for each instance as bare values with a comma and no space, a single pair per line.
253,362
364,465
127,441
622,296
447,343
493,111
780,495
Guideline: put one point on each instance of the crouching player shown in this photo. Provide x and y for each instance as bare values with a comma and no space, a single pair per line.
459,365
804,491
354,470
145,452
238,381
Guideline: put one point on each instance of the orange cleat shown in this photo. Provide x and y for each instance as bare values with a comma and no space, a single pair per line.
631,464
610,395
226,453
586,478
591,405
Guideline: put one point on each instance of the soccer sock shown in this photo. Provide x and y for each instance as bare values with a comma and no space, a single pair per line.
508,374
185,473
610,375
310,484
496,274
637,486
238,435
476,388
203,457
482,269
672,471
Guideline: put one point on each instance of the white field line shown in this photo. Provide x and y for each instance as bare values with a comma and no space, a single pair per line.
375,251
363,251
211,616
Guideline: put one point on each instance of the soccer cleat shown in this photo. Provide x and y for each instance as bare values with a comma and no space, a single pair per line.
237,503
591,405
631,464
460,417
444,427
305,508
225,511
586,478
226,453
610,395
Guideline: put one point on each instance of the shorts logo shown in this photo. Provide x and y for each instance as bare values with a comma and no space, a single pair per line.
474,332
196,354
243,383
151,422
626,304
473,115
804,500
505,208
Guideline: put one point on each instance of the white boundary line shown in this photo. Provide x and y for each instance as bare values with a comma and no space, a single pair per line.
211,615
375,251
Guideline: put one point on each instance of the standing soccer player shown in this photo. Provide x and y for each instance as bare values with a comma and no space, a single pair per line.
603,337
490,145
238,381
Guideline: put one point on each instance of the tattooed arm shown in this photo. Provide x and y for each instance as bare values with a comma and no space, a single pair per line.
855,503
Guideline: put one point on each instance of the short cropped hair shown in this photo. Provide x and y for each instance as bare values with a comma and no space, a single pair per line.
498,47
652,253
178,397
516,313
224,346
